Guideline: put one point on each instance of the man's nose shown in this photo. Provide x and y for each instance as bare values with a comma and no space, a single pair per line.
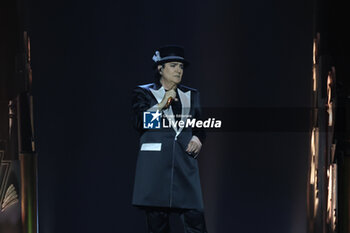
178,69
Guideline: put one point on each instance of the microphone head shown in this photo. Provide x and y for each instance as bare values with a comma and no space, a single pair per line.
170,100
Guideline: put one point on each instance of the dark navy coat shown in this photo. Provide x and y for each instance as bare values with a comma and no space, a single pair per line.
166,175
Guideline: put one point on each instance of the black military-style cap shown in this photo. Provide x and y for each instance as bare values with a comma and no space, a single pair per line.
169,53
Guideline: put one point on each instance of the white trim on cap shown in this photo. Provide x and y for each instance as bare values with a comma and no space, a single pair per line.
171,57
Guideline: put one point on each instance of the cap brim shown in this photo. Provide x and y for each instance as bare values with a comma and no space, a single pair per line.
185,62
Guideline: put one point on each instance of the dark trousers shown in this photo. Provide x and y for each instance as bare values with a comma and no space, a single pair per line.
158,220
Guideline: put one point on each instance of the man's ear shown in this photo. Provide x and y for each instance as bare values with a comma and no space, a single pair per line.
160,68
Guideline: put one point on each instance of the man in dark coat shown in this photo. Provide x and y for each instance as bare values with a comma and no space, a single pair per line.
167,175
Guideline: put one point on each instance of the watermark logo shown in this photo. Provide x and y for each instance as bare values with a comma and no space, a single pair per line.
193,123
151,120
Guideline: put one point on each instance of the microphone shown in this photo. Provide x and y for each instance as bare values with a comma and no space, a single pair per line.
169,101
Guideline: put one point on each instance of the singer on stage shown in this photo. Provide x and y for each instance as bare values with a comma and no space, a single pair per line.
167,176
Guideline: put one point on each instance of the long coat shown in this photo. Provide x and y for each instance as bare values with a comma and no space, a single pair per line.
166,175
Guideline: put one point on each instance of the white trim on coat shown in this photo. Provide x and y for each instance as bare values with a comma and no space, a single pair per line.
151,147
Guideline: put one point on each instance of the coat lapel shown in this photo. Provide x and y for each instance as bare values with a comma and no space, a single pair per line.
185,98
158,94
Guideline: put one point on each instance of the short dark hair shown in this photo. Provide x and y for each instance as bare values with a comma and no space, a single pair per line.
157,75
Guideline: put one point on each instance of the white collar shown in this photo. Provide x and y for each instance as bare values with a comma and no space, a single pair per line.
185,98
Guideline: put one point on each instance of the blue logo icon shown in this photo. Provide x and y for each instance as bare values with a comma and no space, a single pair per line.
151,120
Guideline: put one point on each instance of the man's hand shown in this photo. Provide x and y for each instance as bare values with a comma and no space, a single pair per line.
194,146
171,93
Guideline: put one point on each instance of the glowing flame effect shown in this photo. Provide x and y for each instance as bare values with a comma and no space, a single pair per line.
329,99
332,195
314,167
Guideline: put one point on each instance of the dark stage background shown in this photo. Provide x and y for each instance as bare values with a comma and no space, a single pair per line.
88,55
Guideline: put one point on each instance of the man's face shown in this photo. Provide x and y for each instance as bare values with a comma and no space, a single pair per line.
172,72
